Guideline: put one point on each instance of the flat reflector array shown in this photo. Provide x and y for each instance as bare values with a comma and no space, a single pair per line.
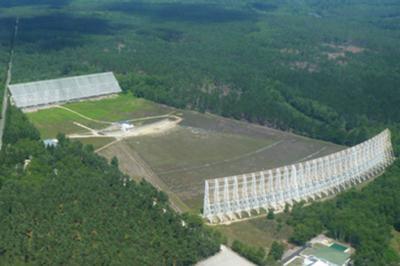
40,93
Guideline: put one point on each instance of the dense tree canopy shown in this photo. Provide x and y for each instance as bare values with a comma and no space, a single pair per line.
66,205
363,218
325,69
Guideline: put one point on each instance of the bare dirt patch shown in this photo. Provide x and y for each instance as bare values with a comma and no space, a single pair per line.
338,52
289,51
304,65
115,131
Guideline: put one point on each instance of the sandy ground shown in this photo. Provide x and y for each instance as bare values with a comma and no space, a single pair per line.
150,129
226,257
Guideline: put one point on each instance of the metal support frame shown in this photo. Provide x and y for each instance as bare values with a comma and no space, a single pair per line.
228,197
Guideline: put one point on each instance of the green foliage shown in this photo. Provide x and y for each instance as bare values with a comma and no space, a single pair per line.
253,254
18,127
67,205
265,62
114,162
363,218
287,208
270,214
244,60
276,251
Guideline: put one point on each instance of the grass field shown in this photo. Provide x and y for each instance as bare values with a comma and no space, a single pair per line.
52,121
122,107
395,242
118,108
259,231
178,161
207,146
203,146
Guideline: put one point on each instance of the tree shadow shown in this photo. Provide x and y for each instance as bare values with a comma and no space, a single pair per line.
262,6
50,3
58,31
183,12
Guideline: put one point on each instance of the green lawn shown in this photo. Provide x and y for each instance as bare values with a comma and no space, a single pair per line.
52,121
395,242
185,157
258,231
121,107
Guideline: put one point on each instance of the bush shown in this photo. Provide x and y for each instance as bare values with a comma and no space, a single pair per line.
271,214
254,254
276,251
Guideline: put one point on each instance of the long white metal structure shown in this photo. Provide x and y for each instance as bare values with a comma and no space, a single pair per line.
46,92
228,198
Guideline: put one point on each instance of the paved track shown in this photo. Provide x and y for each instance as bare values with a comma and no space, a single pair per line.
8,80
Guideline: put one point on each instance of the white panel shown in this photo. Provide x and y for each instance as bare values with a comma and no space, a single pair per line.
320,176
64,89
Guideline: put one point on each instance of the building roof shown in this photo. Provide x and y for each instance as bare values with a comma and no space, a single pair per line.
329,254
64,89
226,257
50,142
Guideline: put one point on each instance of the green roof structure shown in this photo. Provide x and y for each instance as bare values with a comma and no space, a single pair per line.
330,254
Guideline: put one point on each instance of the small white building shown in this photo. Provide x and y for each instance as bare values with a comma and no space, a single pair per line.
126,127
50,142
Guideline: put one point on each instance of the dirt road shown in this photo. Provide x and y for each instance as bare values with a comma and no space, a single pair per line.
150,129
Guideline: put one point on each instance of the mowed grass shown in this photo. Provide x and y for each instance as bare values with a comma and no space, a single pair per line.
124,106
54,120
185,157
207,146
258,231
186,148
395,242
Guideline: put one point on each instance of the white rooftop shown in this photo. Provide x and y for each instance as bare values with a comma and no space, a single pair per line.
226,257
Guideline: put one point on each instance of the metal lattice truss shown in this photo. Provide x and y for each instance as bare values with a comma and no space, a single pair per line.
46,92
228,198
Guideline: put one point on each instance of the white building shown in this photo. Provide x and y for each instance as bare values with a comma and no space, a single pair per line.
126,127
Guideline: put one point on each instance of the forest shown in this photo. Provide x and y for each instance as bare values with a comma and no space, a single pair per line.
66,205
365,219
325,69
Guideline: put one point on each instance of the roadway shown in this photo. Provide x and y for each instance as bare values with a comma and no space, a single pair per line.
8,81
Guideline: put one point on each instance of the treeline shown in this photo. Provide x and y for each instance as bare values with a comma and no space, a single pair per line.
270,68
6,42
362,218
266,67
273,105
66,205
257,255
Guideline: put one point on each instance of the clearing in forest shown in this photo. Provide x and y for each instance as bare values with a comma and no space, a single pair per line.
196,147
178,160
